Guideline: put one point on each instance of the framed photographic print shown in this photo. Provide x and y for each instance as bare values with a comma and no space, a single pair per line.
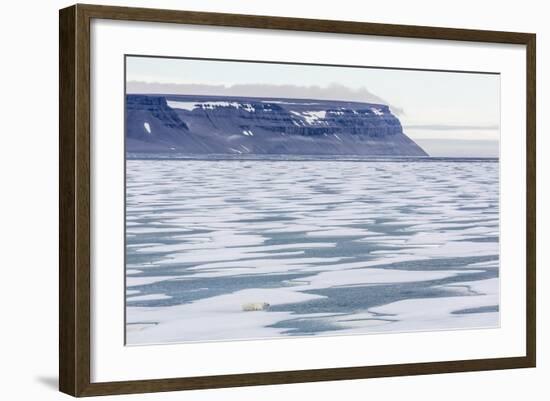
250,200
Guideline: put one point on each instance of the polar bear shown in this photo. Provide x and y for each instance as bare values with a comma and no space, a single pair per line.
255,306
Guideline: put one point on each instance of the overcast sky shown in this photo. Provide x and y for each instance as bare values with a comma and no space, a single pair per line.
447,113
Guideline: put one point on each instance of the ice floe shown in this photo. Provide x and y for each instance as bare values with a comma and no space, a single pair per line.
303,233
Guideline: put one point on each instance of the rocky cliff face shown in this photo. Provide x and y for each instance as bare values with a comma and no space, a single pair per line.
235,125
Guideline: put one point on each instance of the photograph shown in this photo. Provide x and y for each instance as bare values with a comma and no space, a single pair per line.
272,200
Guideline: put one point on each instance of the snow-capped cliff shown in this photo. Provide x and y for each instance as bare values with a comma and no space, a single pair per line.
235,125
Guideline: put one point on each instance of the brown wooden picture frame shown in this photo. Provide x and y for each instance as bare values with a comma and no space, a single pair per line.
74,199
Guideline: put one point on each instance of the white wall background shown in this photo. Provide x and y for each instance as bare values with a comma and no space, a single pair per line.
28,201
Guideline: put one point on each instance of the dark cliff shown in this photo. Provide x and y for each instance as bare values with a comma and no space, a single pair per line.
235,125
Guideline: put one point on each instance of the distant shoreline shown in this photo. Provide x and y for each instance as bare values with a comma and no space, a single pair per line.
290,158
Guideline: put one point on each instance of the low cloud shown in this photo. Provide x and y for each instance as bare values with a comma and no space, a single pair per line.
331,92
444,127
459,147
